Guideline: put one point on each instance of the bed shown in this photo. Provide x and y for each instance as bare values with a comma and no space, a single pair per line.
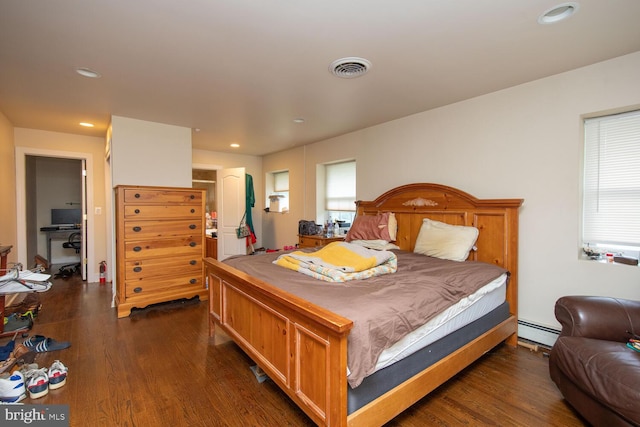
303,347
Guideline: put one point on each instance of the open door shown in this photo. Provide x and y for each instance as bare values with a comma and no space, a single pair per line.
83,226
230,188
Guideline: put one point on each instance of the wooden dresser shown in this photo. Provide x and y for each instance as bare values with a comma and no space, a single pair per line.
315,241
159,245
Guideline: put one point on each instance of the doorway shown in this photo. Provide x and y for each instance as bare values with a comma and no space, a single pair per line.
31,240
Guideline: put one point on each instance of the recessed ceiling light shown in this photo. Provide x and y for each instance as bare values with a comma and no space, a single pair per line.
349,68
87,125
558,13
298,120
234,145
87,72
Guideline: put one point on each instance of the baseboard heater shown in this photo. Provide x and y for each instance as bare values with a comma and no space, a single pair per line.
540,334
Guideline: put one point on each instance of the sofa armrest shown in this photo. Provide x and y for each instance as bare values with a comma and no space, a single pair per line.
605,318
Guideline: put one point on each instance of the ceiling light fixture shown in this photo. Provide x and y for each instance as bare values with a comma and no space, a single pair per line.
234,145
87,72
558,13
298,120
350,68
87,125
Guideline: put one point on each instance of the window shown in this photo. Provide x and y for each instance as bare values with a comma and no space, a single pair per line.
611,191
278,191
340,190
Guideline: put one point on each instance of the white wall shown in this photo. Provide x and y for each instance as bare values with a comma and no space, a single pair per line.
8,233
147,153
523,142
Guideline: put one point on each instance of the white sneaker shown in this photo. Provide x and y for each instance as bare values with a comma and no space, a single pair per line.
57,375
12,389
37,383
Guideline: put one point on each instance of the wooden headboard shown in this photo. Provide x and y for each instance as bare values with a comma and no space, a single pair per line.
496,220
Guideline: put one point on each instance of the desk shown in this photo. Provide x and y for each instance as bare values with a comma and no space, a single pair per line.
57,235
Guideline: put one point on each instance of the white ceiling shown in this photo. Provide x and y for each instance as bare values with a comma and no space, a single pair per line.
242,70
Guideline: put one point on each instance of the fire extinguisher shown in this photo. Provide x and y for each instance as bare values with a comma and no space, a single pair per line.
103,272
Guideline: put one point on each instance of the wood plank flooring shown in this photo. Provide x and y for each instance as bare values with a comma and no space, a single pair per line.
158,367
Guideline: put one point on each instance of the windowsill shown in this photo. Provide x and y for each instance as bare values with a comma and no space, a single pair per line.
604,260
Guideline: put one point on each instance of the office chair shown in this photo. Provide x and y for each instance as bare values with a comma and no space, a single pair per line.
73,242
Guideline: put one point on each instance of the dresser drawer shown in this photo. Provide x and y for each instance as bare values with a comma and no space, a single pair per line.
143,288
139,249
158,229
161,196
168,211
155,267
316,241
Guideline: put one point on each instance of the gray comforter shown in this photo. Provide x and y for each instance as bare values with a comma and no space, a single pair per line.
383,309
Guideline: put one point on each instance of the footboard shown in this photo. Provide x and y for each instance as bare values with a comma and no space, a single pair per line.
302,347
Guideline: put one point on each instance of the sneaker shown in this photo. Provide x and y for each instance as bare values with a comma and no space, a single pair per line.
37,382
57,375
12,389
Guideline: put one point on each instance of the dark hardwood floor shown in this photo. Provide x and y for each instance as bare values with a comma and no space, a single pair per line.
158,367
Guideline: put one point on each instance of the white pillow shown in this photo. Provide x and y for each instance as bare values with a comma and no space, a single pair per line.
445,241
381,245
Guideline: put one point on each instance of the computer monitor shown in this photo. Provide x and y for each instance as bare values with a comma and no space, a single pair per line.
66,216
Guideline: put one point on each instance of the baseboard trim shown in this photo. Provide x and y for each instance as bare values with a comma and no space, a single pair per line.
537,333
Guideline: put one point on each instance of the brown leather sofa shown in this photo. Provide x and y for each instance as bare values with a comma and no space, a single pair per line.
590,362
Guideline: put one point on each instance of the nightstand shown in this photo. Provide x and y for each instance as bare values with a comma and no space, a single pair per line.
316,240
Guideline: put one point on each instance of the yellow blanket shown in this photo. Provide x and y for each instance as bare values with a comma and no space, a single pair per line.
340,262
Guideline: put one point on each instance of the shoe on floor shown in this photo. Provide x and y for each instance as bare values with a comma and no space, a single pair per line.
12,389
49,344
33,340
37,382
57,375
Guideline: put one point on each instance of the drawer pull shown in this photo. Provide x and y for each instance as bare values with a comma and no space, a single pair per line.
193,281
137,269
192,197
192,226
193,244
137,196
137,211
193,211
137,290
136,229
193,262
137,249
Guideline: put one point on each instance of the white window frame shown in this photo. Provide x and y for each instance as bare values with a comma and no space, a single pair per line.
611,184
277,183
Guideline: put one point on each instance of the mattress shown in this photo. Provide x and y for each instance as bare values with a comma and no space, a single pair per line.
384,380
455,317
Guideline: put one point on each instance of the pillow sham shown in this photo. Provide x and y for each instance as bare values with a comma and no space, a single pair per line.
393,226
440,240
372,227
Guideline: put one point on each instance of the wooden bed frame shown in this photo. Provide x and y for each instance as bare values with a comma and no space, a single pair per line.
303,347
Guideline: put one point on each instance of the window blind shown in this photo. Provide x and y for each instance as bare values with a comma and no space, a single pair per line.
281,181
611,199
340,186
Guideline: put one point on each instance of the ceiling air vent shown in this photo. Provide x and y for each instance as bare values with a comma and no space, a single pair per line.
349,68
